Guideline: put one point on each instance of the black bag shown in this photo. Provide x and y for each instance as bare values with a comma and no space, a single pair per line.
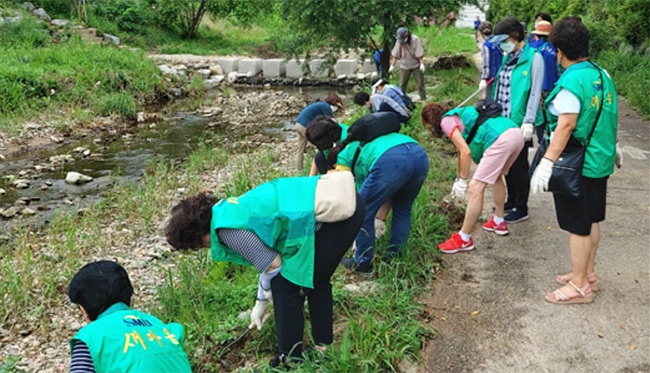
487,108
408,102
567,170
566,178
369,127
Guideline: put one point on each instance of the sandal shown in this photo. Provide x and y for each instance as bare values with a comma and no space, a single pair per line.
580,298
594,281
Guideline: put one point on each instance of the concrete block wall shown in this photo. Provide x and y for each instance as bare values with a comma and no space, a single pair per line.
368,66
345,67
294,69
250,66
317,69
229,64
274,67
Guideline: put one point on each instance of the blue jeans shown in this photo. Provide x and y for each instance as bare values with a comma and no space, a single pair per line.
397,176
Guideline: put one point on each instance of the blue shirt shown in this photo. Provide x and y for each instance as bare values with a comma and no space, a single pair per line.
492,58
477,23
395,93
550,61
312,111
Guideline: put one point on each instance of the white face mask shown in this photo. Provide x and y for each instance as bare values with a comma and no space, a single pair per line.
536,22
507,47
334,108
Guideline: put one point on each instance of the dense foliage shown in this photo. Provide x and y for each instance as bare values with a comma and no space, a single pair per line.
351,23
612,22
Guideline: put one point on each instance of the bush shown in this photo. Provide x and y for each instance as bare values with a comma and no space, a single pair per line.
27,32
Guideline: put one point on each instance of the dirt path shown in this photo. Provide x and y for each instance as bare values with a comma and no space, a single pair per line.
488,304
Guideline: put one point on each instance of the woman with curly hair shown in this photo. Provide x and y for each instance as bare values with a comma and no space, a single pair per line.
494,144
282,230
583,97
324,133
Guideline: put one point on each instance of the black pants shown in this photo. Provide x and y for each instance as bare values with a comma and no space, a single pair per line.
332,241
384,107
518,182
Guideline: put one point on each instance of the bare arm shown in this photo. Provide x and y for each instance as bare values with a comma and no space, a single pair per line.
464,154
566,123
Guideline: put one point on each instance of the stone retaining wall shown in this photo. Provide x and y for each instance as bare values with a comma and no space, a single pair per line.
277,71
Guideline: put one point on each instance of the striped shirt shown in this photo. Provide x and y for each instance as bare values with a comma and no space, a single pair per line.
81,361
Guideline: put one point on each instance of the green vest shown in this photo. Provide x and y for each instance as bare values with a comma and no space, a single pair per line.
370,153
486,134
126,340
281,214
583,81
520,83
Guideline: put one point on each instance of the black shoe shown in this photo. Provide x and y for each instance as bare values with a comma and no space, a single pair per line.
364,268
284,361
516,216
508,207
389,255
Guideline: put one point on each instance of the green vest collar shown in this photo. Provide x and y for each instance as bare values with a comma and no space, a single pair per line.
119,306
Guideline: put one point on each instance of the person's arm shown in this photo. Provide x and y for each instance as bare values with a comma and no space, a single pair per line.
81,361
313,170
536,81
464,154
485,55
250,247
566,124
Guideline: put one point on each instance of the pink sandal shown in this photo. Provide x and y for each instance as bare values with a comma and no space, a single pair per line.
580,298
594,281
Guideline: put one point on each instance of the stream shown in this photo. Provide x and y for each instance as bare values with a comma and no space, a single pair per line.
123,159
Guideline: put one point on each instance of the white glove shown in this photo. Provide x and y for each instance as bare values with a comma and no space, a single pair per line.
257,315
459,188
541,176
421,67
380,228
619,156
483,84
482,92
391,68
527,131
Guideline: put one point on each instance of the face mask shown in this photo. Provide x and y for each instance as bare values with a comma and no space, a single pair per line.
507,47
334,108
536,22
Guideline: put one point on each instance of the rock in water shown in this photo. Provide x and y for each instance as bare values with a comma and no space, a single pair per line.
77,178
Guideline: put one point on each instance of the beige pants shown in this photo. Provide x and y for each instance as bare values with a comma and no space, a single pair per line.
302,145
404,76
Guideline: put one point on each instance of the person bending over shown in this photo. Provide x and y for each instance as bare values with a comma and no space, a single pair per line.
492,143
280,228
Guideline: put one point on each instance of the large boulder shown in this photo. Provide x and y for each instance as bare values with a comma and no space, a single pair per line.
59,22
76,178
28,6
111,39
41,14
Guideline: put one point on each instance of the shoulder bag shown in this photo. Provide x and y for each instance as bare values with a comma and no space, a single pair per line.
567,170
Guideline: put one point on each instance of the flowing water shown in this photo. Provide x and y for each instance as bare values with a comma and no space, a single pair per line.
120,161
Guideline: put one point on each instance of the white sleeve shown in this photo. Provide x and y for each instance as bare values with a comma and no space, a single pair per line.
564,102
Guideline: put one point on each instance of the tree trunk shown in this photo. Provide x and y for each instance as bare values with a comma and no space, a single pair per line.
385,60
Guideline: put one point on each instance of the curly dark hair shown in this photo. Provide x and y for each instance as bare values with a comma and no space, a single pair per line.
510,26
571,37
323,132
190,221
99,285
360,98
431,117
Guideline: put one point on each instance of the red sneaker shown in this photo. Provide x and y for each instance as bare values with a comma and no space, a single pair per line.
500,229
456,244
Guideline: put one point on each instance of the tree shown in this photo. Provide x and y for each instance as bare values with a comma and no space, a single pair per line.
351,23
185,16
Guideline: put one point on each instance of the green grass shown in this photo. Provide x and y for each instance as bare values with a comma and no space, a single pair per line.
374,331
449,41
39,74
